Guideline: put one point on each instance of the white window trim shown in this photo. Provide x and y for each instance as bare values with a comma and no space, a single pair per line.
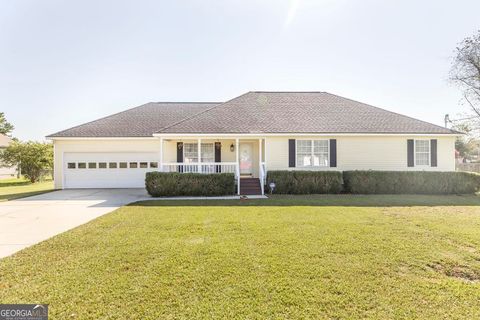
415,153
312,153
199,160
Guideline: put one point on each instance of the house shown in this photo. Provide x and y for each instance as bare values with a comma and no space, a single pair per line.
248,135
6,172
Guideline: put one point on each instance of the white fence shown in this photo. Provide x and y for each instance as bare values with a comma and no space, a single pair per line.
202,167
471,167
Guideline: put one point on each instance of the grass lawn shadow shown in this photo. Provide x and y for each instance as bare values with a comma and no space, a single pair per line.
346,200
15,196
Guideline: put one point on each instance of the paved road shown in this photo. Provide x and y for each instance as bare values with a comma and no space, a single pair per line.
27,221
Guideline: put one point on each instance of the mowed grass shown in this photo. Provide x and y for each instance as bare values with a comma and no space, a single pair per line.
281,258
11,189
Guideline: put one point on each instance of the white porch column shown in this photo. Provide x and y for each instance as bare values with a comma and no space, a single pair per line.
261,174
199,155
260,151
259,157
237,156
161,155
265,156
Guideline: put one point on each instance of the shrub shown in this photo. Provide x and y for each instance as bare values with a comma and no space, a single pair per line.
168,184
305,182
410,182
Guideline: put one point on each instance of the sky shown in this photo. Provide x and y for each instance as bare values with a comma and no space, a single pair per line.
63,63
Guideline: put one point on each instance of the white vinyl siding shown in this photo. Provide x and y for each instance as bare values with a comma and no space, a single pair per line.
422,152
312,153
384,153
353,153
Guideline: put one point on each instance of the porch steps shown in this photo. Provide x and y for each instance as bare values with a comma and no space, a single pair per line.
250,186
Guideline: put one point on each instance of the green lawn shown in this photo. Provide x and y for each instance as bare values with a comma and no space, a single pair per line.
316,257
11,189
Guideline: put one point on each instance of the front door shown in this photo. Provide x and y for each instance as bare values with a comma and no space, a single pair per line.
246,156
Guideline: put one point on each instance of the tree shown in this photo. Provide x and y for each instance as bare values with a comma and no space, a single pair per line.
466,148
33,158
466,145
5,126
465,71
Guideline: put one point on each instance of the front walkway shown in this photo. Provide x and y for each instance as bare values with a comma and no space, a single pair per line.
27,221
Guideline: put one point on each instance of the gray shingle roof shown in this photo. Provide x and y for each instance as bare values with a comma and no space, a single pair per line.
256,112
300,112
141,121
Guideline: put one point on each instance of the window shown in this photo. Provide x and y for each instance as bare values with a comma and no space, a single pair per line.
112,165
102,165
422,152
133,165
92,165
71,165
82,165
190,152
143,165
208,152
312,153
304,153
320,153
122,165
153,164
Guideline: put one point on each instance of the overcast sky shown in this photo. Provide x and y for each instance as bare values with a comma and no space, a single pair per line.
63,63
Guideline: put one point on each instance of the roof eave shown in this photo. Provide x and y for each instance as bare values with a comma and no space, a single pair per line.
101,138
160,134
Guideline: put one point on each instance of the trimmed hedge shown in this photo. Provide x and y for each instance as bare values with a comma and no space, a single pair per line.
410,182
305,182
169,184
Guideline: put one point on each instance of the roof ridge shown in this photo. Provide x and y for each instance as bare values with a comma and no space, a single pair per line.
393,112
187,102
287,91
196,115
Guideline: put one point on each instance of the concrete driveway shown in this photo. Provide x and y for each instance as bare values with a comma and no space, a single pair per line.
27,221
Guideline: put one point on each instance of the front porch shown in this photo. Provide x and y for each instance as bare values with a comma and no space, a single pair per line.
245,158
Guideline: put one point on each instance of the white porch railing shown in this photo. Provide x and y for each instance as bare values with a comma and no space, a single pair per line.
201,167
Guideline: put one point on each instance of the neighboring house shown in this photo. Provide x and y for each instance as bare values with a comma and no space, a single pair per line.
248,135
6,172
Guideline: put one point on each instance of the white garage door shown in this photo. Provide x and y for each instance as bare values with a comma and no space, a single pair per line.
107,170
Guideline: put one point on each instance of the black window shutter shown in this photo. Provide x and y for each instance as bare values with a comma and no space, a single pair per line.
433,152
179,151
410,151
218,155
180,155
333,153
291,153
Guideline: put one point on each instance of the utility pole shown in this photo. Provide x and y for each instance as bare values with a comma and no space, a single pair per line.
447,120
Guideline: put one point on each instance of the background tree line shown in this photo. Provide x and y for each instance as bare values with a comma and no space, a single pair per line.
465,73
33,159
